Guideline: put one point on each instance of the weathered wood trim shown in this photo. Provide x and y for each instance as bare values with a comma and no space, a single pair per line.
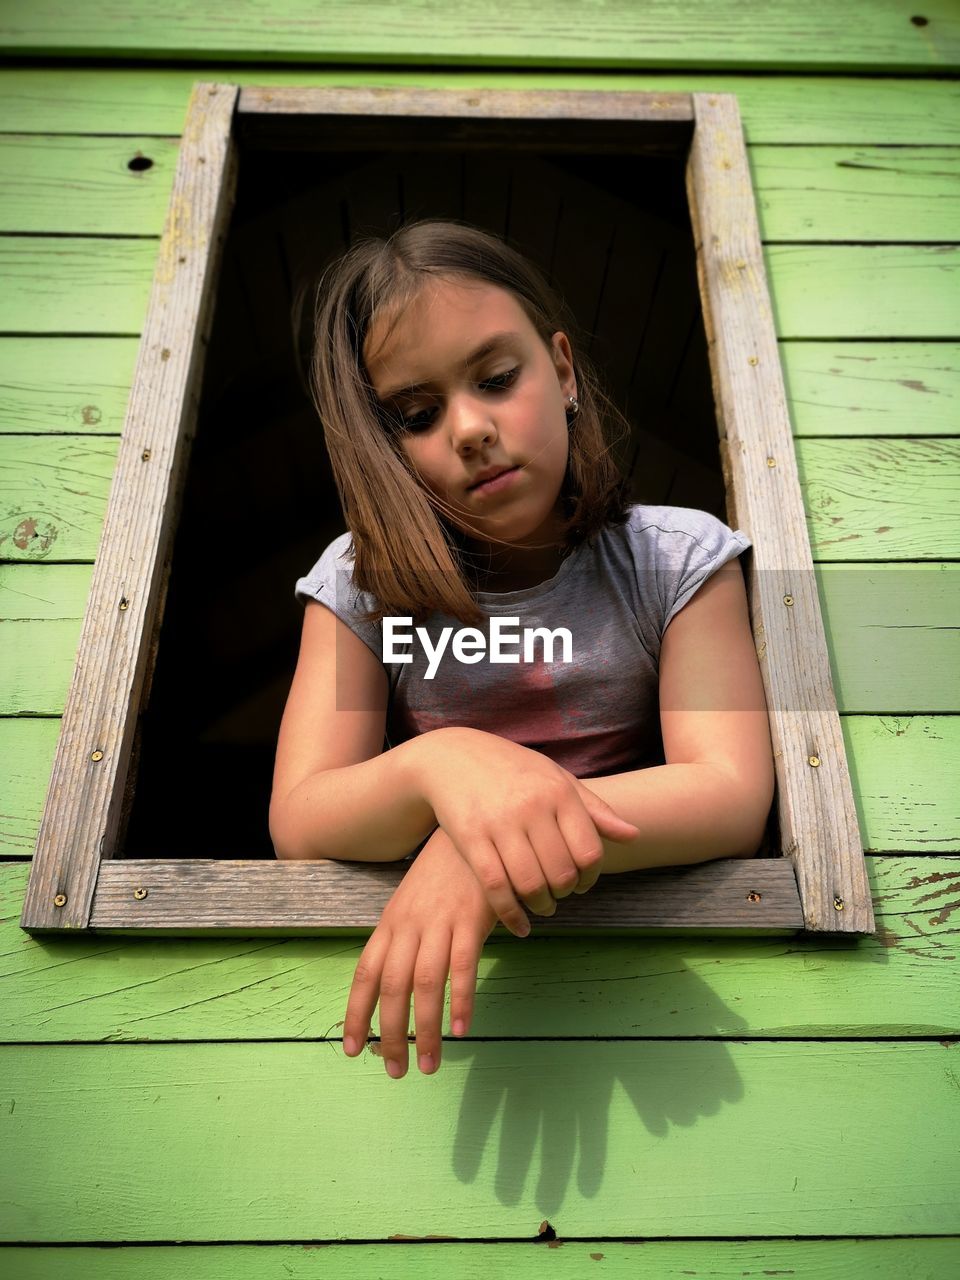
198,895
523,104
78,881
457,118
117,645
818,820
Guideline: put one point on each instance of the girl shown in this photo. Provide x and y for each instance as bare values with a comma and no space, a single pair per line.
470,447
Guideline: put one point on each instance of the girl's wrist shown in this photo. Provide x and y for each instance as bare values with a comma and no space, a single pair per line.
419,759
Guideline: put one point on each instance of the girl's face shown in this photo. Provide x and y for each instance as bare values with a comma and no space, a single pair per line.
474,388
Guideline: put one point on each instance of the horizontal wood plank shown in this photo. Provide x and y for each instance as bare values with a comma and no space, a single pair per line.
279,1141
55,386
857,193
865,291
864,499
74,284
904,780
53,495
700,34
186,896
935,1257
85,186
896,983
893,634
871,388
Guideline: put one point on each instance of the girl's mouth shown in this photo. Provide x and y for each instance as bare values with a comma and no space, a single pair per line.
501,481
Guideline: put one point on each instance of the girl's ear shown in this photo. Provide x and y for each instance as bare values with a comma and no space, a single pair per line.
563,362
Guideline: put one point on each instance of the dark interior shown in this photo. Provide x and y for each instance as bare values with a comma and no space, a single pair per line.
612,231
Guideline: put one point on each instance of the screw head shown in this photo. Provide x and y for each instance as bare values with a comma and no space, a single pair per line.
96,755
139,894
60,900
813,761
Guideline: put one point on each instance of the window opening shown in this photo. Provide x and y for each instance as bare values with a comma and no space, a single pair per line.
599,190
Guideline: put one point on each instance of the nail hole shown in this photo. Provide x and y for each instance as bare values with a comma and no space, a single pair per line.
139,163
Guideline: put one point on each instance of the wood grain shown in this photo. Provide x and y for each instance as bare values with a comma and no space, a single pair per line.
699,34
125,605
568,1259
279,1142
815,805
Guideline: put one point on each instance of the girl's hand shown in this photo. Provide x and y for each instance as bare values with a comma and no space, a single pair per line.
525,825
436,922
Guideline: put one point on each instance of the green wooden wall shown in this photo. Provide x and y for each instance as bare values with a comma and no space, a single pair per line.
645,1107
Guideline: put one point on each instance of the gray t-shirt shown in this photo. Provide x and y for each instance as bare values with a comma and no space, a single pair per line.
596,713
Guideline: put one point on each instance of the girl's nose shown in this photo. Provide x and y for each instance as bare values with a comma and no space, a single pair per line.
471,425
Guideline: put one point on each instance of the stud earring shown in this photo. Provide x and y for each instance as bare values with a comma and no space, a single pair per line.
573,407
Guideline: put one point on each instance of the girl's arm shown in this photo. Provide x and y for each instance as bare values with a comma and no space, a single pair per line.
712,797
336,794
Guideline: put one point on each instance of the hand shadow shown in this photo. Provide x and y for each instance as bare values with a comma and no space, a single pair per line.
549,1084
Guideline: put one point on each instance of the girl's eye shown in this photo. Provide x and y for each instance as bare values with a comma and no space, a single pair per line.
423,417
419,419
501,380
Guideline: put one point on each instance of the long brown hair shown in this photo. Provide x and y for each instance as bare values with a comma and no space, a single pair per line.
406,553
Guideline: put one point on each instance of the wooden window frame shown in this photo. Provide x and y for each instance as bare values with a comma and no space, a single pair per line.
77,881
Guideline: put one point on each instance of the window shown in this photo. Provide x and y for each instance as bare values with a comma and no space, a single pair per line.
268,181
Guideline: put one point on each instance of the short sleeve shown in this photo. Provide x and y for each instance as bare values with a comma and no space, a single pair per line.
691,545
330,582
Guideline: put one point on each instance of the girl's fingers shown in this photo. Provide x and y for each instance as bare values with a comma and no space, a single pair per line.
429,985
584,843
464,963
482,857
525,865
606,820
364,992
396,985
554,859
